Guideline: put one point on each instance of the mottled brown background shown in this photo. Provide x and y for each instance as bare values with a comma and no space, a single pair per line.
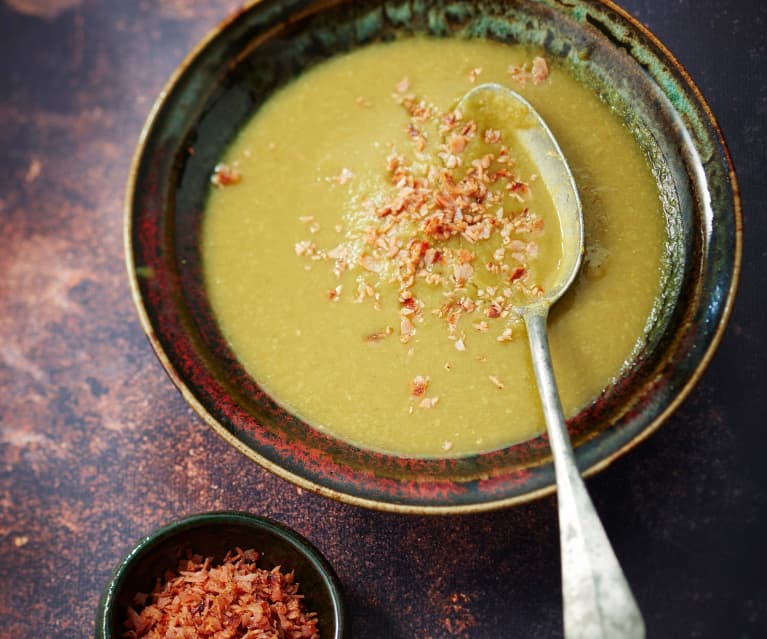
97,448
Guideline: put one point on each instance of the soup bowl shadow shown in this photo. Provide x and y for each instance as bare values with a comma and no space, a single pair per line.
267,44
213,535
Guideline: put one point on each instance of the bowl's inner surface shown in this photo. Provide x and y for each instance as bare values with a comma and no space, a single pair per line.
211,537
273,42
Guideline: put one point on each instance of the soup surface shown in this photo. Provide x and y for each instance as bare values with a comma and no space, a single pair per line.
365,241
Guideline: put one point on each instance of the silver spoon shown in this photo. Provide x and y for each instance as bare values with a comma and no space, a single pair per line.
598,602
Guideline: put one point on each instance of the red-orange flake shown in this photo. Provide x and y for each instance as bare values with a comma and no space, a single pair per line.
418,386
231,600
225,175
453,198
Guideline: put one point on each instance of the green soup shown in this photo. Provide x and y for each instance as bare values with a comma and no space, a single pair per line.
367,243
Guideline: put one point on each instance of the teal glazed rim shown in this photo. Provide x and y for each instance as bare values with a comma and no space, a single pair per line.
264,45
213,534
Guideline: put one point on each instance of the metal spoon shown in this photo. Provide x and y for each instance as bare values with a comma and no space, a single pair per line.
598,602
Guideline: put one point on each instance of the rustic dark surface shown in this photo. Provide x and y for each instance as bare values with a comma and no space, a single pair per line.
97,448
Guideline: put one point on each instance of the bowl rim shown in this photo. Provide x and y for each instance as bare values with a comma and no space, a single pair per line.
703,359
107,604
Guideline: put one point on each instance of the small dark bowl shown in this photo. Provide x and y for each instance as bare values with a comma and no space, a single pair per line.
213,534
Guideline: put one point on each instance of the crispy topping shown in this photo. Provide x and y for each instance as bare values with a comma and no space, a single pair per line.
419,385
379,335
446,196
482,326
457,213
232,599
428,402
505,336
537,73
418,388
305,247
498,383
334,294
225,175
493,136
540,70
343,177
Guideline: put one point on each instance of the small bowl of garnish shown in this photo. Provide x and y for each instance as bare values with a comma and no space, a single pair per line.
223,572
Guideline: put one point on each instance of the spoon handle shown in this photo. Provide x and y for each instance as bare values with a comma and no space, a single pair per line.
598,602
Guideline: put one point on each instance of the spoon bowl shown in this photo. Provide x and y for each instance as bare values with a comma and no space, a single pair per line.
598,602
491,101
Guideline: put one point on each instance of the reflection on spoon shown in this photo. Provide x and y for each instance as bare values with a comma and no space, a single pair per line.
598,602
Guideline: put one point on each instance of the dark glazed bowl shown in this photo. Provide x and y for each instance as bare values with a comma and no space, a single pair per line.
265,45
213,534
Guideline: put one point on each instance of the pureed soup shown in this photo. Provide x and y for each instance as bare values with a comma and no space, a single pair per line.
364,243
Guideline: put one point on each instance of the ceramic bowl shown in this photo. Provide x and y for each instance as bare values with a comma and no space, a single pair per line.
213,535
268,43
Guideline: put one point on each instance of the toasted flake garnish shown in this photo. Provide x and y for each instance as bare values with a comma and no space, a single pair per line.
505,336
369,263
417,136
494,310
379,335
449,214
419,385
201,596
447,446
306,218
428,402
482,326
406,329
517,273
474,74
540,70
520,74
305,247
362,101
403,85
334,294
498,383
491,136
225,175
457,143
465,256
343,177
462,273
